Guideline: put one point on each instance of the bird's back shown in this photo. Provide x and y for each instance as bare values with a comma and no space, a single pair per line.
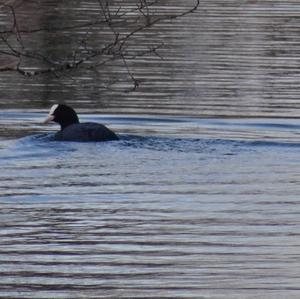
84,132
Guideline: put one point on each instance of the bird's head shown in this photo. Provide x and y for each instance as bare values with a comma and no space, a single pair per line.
63,115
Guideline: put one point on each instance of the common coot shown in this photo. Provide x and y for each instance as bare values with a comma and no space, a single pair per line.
73,130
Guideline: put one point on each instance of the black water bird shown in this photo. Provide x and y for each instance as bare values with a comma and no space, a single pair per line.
73,130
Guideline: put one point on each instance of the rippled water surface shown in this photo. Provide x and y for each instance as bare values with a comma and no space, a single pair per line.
200,196
177,208
229,58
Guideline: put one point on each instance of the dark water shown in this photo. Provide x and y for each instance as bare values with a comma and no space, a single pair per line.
229,58
181,206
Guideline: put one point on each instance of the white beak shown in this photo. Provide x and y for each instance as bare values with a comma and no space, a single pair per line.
49,119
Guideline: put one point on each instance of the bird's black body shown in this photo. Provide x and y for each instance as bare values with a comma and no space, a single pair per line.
84,132
73,130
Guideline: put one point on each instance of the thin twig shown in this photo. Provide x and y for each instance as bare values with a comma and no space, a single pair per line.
114,50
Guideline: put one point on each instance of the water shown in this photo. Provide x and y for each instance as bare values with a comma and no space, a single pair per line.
177,208
228,59
200,196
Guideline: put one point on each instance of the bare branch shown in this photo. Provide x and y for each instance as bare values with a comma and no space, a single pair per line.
124,25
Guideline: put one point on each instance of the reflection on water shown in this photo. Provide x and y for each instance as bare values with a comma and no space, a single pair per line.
238,58
177,208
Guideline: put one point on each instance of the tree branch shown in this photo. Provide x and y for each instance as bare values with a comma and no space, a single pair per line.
136,19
